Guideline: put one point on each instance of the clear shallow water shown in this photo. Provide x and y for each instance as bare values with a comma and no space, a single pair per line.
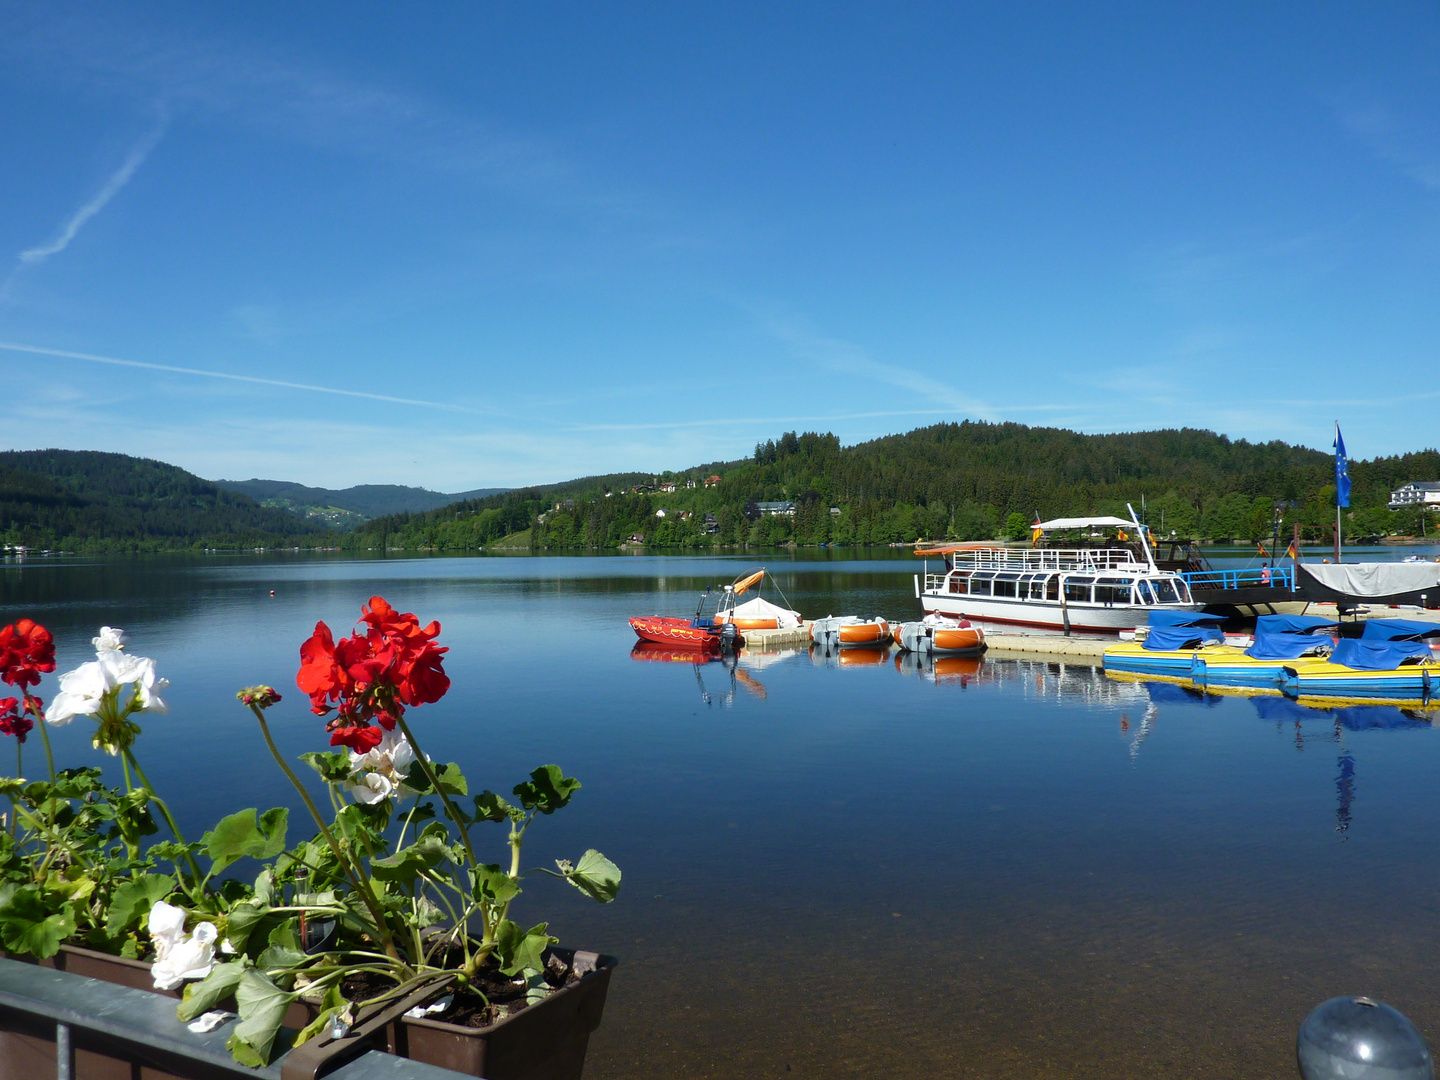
1005,869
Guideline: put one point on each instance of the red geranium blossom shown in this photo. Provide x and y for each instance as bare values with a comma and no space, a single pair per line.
14,722
371,676
26,650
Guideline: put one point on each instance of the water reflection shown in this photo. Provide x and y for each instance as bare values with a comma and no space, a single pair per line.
1052,872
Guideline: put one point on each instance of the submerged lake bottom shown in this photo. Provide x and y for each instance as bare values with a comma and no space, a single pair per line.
844,866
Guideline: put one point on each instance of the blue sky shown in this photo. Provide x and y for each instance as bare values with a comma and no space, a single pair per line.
488,244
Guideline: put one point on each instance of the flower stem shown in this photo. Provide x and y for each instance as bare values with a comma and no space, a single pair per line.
129,755
424,764
50,764
356,876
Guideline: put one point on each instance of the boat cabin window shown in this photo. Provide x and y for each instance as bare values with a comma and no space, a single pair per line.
1143,594
980,584
1078,589
1165,591
1005,584
1113,590
958,583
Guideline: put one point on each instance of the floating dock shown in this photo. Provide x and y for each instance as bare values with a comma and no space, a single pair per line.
772,640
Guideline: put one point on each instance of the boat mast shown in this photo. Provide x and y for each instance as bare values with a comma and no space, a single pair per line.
1144,543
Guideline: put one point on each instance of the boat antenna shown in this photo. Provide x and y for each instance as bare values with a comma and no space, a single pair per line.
1144,542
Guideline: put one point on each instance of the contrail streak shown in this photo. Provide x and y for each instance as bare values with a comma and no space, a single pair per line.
120,178
41,351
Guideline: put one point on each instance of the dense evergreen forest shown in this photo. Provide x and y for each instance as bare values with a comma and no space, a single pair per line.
962,481
76,500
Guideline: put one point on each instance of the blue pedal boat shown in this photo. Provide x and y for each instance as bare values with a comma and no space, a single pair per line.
1168,648
1279,640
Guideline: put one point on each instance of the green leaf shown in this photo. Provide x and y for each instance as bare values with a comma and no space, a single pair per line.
134,898
547,790
491,807
491,885
596,876
240,835
262,1006
452,780
29,925
284,950
214,988
520,950
331,1004
333,768
248,927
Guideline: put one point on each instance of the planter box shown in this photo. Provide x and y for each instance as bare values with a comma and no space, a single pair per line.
544,1041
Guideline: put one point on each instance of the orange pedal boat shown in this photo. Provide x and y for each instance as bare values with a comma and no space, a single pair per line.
849,631
935,634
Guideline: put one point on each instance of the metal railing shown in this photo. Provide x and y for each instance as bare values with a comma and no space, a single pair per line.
40,1007
1263,577
1023,559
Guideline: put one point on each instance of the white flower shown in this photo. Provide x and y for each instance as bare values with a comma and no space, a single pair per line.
370,788
179,956
140,670
111,639
80,694
380,773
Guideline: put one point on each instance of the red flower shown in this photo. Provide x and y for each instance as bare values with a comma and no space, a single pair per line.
26,650
372,676
360,739
13,722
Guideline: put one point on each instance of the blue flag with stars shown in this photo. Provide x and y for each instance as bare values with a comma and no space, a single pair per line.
1342,470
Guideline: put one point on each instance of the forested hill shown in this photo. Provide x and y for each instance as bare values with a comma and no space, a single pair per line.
965,481
79,500
350,506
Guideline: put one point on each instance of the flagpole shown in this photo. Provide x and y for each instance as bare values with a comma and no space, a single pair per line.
1337,491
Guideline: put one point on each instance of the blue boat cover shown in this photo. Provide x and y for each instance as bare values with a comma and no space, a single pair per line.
1284,646
1168,638
1377,655
1291,624
1398,629
1186,618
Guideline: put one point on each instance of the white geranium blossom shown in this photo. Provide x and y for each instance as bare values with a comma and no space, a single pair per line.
81,693
380,773
111,639
179,956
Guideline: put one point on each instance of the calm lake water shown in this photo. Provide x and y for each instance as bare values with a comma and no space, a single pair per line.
1010,869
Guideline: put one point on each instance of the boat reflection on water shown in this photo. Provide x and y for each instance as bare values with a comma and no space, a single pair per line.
836,657
939,669
734,666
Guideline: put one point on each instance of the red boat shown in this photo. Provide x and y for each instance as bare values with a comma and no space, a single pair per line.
666,630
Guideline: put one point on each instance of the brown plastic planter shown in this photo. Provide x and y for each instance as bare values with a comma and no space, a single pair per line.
544,1041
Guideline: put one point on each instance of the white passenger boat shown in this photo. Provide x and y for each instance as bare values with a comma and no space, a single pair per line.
1111,583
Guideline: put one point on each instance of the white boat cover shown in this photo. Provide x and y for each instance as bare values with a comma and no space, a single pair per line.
1083,523
1376,578
760,608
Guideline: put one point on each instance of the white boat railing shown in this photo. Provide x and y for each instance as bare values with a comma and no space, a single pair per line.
1029,559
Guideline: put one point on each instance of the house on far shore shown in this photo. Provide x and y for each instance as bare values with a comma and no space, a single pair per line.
637,538
1416,493
711,481
776,509
662,512
668,486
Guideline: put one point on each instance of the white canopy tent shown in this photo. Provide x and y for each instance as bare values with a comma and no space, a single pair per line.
1083,523
760,608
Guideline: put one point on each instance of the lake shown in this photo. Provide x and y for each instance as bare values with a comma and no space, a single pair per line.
1008,869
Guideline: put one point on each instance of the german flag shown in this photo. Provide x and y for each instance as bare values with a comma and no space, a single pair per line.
1290,552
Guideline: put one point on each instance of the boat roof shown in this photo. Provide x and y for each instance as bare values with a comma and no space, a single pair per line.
950,549
1083,523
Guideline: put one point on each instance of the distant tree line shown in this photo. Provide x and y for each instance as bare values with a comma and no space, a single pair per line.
958,481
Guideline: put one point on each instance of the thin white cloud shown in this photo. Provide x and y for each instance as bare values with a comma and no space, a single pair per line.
851,359
38,350
77,220
1415,152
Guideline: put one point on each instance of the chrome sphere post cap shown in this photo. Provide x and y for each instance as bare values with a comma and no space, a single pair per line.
1357,1038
